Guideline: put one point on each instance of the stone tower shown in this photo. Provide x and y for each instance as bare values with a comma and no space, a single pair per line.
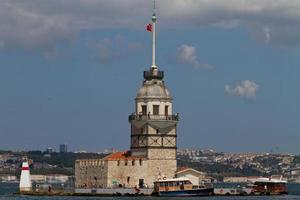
153,124
152,154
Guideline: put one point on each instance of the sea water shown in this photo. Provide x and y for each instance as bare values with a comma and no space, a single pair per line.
7,193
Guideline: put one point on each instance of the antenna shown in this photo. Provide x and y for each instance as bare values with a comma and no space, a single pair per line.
153,36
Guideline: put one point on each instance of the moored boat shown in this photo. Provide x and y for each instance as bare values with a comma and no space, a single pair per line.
179,187
270,186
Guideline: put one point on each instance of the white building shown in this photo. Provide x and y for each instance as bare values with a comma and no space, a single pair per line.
196,177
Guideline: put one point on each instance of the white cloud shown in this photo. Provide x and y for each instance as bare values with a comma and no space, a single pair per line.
39,25
246,89
187,55
108,50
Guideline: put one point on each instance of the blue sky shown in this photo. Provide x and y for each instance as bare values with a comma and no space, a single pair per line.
70,70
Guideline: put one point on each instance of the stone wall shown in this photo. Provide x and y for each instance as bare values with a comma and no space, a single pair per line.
162,154
126,172
91,173
99,173
160,169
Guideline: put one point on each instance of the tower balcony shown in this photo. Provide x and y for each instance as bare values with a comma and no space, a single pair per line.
149,75
141,117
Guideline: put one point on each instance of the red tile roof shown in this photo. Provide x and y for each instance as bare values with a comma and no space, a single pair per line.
121,155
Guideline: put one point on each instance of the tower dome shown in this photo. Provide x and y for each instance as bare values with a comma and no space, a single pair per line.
154,89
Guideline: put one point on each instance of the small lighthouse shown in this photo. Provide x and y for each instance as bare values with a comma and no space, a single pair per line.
25,182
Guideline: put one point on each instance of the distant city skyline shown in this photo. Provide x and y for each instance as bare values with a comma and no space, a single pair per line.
69,72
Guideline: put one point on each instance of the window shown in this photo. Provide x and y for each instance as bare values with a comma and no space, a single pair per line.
141,162
166,110
126,163
133,162
141,183
118,163
155,109
171,184
157,131
144,110
142,130
128,179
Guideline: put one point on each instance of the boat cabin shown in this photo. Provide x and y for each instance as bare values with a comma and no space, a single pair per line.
175,184
270,186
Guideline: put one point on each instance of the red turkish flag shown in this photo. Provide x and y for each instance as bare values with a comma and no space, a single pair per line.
149,27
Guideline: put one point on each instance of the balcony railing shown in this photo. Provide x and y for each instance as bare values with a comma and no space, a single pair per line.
148,75
153,117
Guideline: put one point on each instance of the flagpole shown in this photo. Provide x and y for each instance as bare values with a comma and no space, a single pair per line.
153,37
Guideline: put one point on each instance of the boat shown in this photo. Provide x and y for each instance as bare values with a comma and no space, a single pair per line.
274,185
179,187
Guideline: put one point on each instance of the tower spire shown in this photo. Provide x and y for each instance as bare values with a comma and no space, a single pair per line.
153,37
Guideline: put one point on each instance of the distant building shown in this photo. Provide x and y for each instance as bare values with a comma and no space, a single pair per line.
63,148
295,175
43,165
49,150
56,178
49,178
47,155
6,178
240,179
38,178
